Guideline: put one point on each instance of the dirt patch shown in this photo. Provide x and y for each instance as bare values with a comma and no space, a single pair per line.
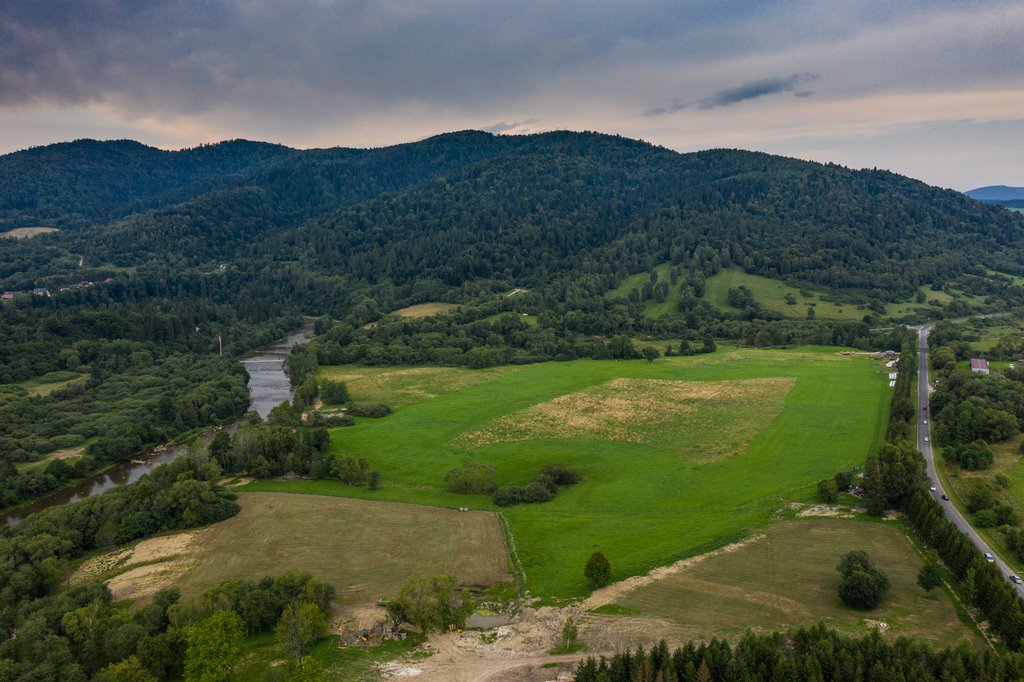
828,510
147,580
145,568
612,593
27,232
648,411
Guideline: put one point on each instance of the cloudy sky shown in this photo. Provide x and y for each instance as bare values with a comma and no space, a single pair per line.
927,88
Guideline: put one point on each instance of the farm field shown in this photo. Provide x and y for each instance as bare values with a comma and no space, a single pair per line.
788,578
27,232
365,549
678,456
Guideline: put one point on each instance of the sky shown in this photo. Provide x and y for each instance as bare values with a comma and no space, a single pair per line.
926,88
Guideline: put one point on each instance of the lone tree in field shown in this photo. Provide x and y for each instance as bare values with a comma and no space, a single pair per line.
928,577
863,584
598,571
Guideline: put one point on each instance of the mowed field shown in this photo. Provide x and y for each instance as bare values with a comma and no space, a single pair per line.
678,455
365,549
788,578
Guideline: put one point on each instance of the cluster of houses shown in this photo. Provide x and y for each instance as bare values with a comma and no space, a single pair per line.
43,291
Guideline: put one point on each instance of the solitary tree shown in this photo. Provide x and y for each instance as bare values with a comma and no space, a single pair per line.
570,632
301,624
598,571
929,577
214,646
863,583
651,353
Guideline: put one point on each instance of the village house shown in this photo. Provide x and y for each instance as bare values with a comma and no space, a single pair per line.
979,365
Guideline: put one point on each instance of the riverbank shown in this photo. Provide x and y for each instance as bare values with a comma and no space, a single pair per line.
268,387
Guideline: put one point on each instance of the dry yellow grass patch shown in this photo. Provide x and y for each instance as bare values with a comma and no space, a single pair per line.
27,232
651,412
425,309
144,569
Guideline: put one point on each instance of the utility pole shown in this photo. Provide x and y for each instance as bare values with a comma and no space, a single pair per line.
220,344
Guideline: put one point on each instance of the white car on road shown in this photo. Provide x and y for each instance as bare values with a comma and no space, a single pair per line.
989,558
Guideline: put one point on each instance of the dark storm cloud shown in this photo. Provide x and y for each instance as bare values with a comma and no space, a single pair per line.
755,89
742,93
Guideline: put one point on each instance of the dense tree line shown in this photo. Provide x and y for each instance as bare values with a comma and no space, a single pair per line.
812,654
47,632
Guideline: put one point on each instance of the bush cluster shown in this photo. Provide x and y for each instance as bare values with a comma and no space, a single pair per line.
543,488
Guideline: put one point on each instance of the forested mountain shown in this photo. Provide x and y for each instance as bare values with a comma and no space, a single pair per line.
86,182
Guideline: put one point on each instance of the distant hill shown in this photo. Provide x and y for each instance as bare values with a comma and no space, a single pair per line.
471,212
87,182
1011,197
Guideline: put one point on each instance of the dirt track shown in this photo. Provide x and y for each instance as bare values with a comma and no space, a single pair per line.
520,648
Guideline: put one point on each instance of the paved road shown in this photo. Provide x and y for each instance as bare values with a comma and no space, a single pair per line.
924,429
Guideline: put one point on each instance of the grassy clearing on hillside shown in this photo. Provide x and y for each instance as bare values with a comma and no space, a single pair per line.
789,578
771,293
365,549
27,232
643,504
425,309
528,319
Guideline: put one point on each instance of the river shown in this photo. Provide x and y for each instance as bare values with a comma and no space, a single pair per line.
268,387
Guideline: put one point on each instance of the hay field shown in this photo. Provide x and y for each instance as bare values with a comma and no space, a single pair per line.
788,578
642,502
677,415
365,549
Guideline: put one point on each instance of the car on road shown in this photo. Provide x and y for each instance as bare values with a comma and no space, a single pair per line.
1015,579
945,497
989,558
926,422
926,439
932,488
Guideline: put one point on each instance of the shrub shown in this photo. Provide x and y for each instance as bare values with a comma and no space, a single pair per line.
333,392
479,479
598,569
374,410
508,496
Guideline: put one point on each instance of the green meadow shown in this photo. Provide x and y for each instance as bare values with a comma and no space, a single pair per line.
678,455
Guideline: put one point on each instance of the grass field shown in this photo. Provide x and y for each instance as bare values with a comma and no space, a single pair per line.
789,579
646,501
365,549
27,232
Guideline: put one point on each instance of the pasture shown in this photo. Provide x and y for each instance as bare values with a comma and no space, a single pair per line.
365,549
691,469
788,578
27,232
